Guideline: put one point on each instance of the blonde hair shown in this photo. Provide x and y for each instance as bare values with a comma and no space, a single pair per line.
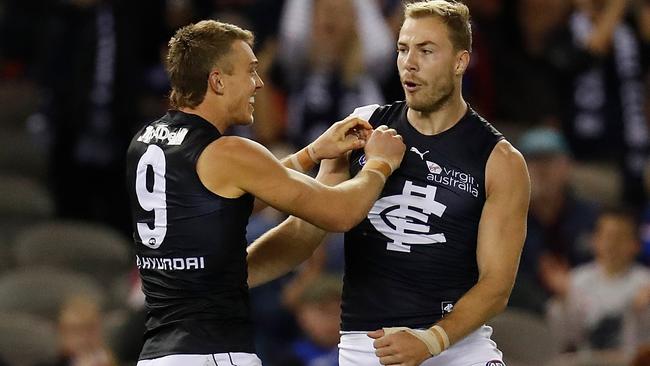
193,51
453,13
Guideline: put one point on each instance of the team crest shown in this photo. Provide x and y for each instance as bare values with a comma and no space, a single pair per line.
404,218
362,160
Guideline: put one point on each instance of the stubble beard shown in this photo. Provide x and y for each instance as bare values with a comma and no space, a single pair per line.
436,102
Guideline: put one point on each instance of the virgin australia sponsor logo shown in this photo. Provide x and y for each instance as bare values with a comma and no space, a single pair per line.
434,168
453,178
162,133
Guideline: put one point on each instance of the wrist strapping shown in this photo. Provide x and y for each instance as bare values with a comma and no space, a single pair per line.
443,335
425,336
302,161
312,154
380,167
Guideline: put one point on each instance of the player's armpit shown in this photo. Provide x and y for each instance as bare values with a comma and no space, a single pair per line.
501,234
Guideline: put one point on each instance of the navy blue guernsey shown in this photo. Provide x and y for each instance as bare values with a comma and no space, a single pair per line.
414,256
190,243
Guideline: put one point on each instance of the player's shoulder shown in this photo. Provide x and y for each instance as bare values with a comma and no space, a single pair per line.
506,165
376,114
486,127
505,152
235,148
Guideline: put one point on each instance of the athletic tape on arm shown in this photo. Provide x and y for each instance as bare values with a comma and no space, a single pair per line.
427,337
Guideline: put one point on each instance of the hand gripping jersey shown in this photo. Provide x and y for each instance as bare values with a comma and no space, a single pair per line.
190,244
414,256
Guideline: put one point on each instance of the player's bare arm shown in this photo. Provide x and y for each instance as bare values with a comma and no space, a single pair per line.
502,230
232,166
343,136
292,242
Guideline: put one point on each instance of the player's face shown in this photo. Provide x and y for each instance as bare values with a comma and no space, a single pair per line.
426,61
242,84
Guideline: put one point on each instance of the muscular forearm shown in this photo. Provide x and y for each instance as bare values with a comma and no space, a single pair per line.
301,161
482,302
354,197
281,249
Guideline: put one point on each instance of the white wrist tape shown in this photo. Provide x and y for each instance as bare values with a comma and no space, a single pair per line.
380,167
443,335
380,174
425,336
392,168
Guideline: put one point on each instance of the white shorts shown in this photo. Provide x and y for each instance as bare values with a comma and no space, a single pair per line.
217,359
477,349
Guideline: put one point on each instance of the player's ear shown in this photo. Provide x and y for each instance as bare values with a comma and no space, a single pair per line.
462,61
215,82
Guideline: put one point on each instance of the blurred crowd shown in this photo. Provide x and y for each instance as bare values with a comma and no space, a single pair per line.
567,82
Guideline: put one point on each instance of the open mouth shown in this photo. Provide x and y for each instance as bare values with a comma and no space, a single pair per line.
410,85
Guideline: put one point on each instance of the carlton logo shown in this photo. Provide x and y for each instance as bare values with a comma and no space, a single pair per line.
362,160
404,218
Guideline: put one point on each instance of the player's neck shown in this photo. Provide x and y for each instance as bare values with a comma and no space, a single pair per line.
433,123
208,113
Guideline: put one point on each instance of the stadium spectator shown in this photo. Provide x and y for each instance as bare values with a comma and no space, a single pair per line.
559,222
588,313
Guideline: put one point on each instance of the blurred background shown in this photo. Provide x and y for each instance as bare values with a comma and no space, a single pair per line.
566,81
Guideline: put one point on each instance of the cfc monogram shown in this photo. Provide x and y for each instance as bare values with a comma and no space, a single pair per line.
396,218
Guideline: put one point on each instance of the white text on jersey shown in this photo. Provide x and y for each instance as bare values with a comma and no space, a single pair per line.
170,264
161,133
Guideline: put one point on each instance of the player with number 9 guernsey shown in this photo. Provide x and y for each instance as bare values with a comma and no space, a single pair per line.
192,190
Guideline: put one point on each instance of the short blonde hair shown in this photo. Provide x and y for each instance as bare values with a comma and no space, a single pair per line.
453,13
193,52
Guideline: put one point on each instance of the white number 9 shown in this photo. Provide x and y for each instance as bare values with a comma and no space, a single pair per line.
155,200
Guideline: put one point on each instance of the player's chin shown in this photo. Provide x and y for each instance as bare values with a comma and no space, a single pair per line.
413,103
245,121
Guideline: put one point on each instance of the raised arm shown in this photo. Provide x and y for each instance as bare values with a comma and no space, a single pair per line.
233,166
342,137
289,244
501,234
